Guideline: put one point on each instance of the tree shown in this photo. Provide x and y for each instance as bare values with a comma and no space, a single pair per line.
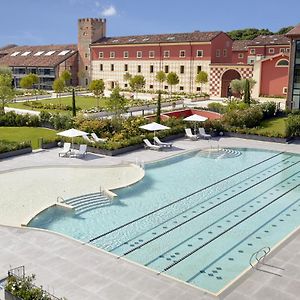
127,76
58,85
73,103
28,81
158,110
247,92
5,70
284,30
160,77
137,83
6,90
97,87
66,77
117,103
201,78
238,86
172,79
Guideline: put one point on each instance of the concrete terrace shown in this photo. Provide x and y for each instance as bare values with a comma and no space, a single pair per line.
76,271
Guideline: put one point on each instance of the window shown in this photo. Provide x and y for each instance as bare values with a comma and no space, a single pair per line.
199,53
181,88
15,53
166,54
139,54
166,69
271,50
112,54
139,68
25,53
151,68
282,50
86,68
85,55
166,87
125,85
218,53
287,50
125,54
284,90
182,53
252,51
101,67
64,52
38,53
251,61
101,54
125,67
241,55
49,53
198,89
151,86
282,63
151,54
86,81
224,52
199,68
112,67
181,69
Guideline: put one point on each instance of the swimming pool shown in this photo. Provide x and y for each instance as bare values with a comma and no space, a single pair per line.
197,217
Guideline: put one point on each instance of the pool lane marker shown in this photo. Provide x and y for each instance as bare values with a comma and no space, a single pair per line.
178,200
203,212
216,237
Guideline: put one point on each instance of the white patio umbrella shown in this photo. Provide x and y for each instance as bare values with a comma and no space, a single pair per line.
195,118
71,133
154,127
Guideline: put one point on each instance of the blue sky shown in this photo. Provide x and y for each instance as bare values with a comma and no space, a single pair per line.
36,22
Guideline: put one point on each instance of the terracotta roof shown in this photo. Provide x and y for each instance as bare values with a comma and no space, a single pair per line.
240,45
6,47
294,32
36,56
195,36
264,40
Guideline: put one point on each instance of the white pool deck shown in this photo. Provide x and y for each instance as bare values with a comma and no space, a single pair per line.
76,271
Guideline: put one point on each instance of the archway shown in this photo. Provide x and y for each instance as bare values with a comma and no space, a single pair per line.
227,77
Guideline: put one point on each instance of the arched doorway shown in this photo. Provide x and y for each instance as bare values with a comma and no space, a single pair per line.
227,77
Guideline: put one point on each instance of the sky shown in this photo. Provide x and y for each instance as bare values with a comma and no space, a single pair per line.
41,22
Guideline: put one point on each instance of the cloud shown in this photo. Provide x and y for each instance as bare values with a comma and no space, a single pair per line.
97,3
109,11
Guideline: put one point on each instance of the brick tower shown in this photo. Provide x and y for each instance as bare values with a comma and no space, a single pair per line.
89,31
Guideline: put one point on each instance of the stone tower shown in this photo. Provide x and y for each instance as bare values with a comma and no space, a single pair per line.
90,30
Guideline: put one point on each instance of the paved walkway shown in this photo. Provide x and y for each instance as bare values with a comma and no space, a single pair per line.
68,268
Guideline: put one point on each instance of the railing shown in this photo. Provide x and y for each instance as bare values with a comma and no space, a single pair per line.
60,199
107,193
19,273
259,257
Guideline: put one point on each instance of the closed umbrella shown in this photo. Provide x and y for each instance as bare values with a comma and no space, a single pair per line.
154,127
195,118
71,133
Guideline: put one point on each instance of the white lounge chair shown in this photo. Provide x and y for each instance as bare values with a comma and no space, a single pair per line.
66,150
81,152
190,135
148,145
160,143
203,134
97,139
87,139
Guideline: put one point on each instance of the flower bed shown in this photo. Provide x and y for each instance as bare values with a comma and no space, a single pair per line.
8,149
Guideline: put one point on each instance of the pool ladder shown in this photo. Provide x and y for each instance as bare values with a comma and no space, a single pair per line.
259,262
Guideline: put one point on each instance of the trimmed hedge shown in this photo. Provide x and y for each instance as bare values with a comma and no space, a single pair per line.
6,146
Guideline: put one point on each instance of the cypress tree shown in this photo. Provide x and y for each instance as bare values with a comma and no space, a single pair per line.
73,103
158,110
247,92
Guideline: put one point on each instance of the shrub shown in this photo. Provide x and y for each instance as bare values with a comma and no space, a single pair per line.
12,119
249,117
214,126
217,107
60,121
293,125
6,146
269,109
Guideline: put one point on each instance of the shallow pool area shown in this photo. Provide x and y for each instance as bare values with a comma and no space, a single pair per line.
197,217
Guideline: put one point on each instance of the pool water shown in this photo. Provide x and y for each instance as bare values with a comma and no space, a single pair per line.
197,217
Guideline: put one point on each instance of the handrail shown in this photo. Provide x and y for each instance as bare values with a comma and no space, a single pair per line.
60,199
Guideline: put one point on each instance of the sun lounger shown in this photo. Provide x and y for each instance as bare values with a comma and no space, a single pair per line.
190,135
160,143
148,145
87,139
66,150
203,134
81,152
97,139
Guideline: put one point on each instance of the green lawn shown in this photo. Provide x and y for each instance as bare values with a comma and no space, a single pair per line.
81,102
274,125
23,134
